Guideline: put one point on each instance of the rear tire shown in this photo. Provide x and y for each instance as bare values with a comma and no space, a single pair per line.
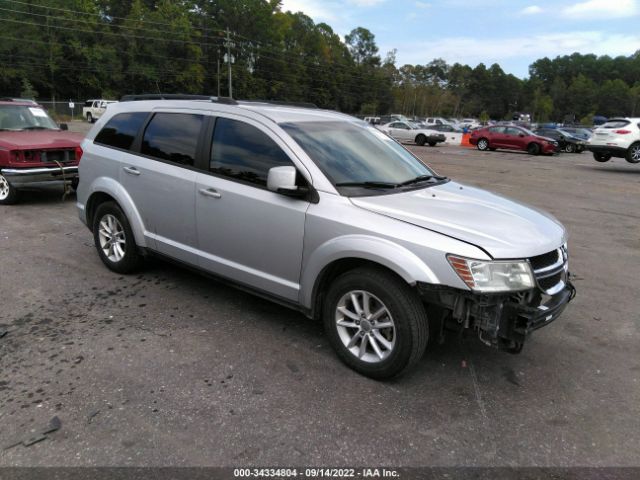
533,149
601,157
633,153
89,118
393,340
570,148
114,239
483,144
8,193
421,140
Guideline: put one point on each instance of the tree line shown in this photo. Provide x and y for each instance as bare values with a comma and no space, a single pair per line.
77,49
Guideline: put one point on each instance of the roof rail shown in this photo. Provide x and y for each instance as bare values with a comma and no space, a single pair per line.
177,96
284,103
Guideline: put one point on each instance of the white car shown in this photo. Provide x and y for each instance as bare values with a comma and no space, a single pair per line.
618,137
406,132
93,109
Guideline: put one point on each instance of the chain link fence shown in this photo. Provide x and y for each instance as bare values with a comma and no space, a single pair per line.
63,110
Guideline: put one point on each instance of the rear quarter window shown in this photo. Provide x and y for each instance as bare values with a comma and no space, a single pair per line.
121,130
616,124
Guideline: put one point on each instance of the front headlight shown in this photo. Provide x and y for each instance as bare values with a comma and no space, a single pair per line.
496,276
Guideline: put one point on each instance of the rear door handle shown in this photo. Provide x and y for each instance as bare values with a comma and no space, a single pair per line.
210,192
131,170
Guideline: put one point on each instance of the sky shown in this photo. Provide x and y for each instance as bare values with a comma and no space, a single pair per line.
511,33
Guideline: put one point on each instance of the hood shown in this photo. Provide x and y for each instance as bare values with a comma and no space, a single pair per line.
547,139
39,139
502,227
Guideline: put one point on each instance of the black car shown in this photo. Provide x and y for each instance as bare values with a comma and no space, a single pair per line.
567,142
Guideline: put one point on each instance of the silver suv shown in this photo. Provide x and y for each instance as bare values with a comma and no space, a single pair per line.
321,212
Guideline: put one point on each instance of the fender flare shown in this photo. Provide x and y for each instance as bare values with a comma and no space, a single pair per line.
112,188
378,250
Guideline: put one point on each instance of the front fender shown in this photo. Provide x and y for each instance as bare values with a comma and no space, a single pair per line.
384,252
112,188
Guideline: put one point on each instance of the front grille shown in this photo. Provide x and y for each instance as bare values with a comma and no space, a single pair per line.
549,282
62,156
550,270
544,260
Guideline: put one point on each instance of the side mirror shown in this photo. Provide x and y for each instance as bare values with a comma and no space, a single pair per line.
282,180
521,135
64,126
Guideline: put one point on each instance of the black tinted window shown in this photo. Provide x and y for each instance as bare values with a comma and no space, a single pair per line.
242,151
121,130
173,137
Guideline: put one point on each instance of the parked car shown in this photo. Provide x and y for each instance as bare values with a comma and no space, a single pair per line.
372,120
442,128
94,109
325,214
512,138
436,121
34,150
566,141
583,133
406,132
618,137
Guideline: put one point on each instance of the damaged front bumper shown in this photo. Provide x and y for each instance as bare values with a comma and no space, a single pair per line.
39,176
500,320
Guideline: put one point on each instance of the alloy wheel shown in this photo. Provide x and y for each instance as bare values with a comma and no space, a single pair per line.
635,153
365,326
112,238
4,188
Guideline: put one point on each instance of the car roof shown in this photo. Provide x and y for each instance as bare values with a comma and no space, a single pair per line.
274,112
21,103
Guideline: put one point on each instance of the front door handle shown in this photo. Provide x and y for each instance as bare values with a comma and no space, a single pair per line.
131,170
210,192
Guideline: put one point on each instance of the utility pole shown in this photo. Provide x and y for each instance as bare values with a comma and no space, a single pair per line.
229,59
218,74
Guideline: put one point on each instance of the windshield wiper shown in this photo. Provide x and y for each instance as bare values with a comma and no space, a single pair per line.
35,127
371,184
423,178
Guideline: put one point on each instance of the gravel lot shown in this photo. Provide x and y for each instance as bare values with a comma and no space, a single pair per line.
168,367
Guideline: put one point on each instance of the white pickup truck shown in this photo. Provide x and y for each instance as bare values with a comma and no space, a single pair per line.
93,109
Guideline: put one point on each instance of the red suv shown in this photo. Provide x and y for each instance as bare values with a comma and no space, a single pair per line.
512,138
34,151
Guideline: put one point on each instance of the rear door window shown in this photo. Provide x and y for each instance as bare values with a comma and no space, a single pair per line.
243,152
173,137
121,130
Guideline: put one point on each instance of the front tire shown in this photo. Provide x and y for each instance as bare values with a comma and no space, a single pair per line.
433,144
89,118
483,144
421,140
533,149
114,239
570,148
601,157
375,322
8,193
633,153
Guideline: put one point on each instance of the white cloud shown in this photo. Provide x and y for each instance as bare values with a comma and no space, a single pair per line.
317,9
531,10
598,9
459,49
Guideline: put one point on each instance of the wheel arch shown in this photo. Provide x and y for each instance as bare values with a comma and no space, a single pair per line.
105,190
346,253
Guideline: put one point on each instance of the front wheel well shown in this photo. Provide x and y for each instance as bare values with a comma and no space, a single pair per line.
95,200
333,271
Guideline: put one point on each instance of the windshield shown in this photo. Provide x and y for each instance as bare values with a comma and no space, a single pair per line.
350,153
22,117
